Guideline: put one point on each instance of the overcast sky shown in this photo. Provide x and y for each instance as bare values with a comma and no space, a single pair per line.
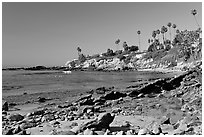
49,33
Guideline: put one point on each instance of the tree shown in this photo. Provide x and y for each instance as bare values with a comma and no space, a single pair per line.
125,46
139,32
174,26
109,52
162,32
158,32
149,41
117,43
154,34
169,25
134,48
194,12
79,50
177,31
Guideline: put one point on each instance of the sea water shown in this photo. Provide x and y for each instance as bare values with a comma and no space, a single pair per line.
22,81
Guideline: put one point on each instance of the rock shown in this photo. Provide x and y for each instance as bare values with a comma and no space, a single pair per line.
41,99
28,114
182,128
23,133
102,122
17,129
107,132
74,124
38,112
167,128
99,132
15,117
165,120
62,133
156,130
88,132
54,122
126,124
99,101
8,132
116,110
85,97
27,125
154,127
81,133
143,131
105,119
114,95
88,109
5,106
88,101
155,87
120,133
76,129
198,130
130,132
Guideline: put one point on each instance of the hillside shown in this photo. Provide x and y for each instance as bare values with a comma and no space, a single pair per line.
183,52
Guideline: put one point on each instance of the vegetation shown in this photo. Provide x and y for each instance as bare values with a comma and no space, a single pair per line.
168,49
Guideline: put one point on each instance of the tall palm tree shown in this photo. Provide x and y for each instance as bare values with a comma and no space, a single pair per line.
117,43
139,32
174,26
194,12
169,25
79,50
162,32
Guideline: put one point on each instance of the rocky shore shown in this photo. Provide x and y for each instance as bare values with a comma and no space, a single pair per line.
171,106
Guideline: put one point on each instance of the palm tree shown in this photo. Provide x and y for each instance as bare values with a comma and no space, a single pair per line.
174,26
154,34
117,43
79,50
194,12
158,32
169,25
139,32
177,31
163,31
149,41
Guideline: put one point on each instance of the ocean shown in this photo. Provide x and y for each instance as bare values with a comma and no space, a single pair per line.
19,82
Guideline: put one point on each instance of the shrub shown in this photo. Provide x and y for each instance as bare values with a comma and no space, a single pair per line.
82,58
121,57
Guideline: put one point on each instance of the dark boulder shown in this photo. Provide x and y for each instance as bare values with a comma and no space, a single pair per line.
102,122
5,106
15,117
114,95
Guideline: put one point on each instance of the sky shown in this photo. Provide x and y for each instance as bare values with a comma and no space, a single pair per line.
49,33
